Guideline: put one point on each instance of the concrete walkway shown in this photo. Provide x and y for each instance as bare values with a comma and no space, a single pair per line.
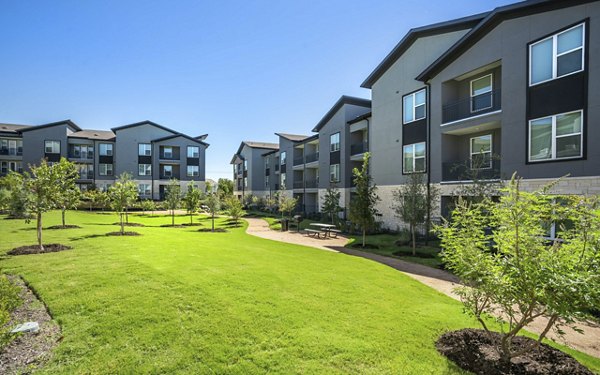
439,280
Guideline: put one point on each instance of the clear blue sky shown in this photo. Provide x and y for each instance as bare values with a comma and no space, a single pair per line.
238,70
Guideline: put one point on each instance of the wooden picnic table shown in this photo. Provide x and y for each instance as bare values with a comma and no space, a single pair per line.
324,227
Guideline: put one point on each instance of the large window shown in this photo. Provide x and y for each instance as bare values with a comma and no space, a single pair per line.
144,169
414,158
167,170
105,169
81,151
481,152
144,149
245,182
52,147
144,189
283,157
481,93
334,142
283,180
267,182
193,171
193,151
414,106
334,173
167,152
556,137
558,55
106,149
7,166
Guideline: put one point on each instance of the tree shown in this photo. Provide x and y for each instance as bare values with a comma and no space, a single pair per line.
192,200
479,187
69,195
270,203
41,186
331,202
214,205
234,209
411,204
514,271
224,188
122,195
286,204
16,195
362,205
173,197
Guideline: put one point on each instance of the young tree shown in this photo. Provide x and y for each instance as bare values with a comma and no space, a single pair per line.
41,186
270,203
362,205
122,195
224,188
411,204
173,197
68,196
286,205
331,203
16,200
192,200
214,205
514,271
234,209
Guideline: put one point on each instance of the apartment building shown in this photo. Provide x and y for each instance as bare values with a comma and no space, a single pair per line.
252,169
151,153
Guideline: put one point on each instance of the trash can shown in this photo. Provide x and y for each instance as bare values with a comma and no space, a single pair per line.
297,220
285,224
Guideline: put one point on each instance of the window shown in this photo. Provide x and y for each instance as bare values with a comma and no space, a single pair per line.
334,142
144,189
105,149
104,187
414,158
3,167
144,149
8,166
145,169
557,56
283,157
267,161
414,106
105,169
168,152
267,182
283,179
193,152
52,147
193,171
12,147
86,171
334,173
481,152
556,137
245,182
481,93
168,170
245,165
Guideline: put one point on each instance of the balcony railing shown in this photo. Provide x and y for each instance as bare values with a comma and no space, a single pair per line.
311,157
298,184
168,177
472,106
86,175
298,161
311,184
470,170
359,148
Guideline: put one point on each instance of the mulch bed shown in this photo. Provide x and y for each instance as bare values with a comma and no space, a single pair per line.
192,224
68,226
172,226
29,351
474,350
35,249
130,224
123,234
217,230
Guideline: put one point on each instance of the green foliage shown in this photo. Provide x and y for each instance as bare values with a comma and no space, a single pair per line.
173,197
213,202
286,204
122,195
68,196
147,205
9,300
15,195
362,206
235,209
224,188
331,203
192,200
270,203
510,268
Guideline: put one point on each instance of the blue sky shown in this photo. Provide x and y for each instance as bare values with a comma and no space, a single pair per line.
238,70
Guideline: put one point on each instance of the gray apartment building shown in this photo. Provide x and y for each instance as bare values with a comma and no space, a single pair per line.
151,153
511,90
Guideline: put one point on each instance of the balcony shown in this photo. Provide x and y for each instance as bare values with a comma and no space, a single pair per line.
298,161
86,175
169,176
311,184
465,170
359,148
81,155
470,107
298,184
310,158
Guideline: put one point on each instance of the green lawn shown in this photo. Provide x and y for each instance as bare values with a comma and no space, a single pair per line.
175,300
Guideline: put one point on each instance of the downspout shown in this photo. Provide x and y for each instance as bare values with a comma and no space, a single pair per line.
428,148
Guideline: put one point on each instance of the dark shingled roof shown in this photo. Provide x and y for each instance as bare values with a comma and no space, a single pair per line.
265,145
176,135
292,137
344,99
12,128
69,123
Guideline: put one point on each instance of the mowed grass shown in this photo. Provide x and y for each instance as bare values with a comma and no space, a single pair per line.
176,300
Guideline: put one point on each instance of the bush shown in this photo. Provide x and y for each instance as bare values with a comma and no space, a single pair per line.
9,300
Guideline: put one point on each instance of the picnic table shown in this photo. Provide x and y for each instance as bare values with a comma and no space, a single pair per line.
325,229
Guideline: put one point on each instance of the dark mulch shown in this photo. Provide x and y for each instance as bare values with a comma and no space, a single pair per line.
68,226
123,234
172,226
474,350
192,224
35,249
29,351
358,245
217,230
130,224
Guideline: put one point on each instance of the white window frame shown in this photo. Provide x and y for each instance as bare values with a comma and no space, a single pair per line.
108,151
556,55
471,153
144,149
144,169
491,91
267,181
245,182
52,146
195,152
283,158
144,190
334,146
554,137
170,174
334,173
107,171
414,159
283,180
195,171
414,107
164,152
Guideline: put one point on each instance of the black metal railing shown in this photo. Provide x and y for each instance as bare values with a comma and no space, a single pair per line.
298,184
311,157
168,177
311,184
359,148
86,175
472,106
299,161
471,169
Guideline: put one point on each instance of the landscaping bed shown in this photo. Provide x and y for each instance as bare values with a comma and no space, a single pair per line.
217,230
130,224
123,234
68,226
475,350
35,249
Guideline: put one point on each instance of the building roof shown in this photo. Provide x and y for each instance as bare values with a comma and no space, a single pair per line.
270,153
146,122
265,145
292,137
69,123
360,118
413,35
202,137
12,128
102,135
487,24
177,135
343,100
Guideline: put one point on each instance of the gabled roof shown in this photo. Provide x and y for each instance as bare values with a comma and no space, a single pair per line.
292,137
252,144
103,135
12,128
177,135
413,35
146,122
270,153
201,137
360,118
69,123
493,19
343,100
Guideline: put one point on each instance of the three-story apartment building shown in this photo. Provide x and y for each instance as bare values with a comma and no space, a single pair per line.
151,153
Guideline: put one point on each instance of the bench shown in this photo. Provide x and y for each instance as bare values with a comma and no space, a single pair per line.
334,232
315,233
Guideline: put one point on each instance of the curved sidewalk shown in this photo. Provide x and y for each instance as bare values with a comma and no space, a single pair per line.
442,281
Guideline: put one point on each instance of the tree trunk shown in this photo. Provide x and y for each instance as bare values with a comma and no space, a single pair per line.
122,225
127,215
191,219
414,240
173,218
364,235
63,216
213,221
39,230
